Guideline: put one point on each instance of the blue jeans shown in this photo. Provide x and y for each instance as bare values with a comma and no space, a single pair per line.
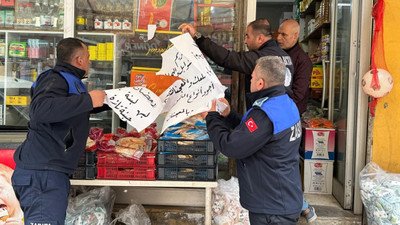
43,195
266,219
305,205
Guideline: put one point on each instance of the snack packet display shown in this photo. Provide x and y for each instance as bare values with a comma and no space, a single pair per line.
380,194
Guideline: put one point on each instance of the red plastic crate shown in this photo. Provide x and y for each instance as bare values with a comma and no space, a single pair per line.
126,173
148,159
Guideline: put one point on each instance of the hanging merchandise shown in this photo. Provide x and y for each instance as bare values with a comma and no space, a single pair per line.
377,82
385,83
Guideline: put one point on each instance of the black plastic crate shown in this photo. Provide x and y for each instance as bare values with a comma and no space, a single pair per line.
88,159
187,173
166,159
185,146
85,173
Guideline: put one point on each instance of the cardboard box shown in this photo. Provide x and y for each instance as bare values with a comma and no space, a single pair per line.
142,76
319,143
318,176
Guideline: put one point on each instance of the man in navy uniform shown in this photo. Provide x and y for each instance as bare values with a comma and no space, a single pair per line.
57,135
265,142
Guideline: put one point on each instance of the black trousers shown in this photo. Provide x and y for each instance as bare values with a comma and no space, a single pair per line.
263,219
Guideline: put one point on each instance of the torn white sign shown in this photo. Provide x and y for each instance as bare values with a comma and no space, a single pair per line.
138,106
199,86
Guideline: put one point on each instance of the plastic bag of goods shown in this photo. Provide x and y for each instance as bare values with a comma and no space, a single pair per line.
380,194
226,208
91,208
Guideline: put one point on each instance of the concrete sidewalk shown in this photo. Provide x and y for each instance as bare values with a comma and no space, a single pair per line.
329,211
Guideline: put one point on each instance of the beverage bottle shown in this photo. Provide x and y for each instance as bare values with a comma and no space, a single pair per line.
20,16
89,16
117,20
28,19
54,13
60,22
45,17
127,16
98,10
36,14
108,20
80,17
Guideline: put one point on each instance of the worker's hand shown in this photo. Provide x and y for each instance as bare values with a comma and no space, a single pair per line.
213,106
97,97
227,110
188,28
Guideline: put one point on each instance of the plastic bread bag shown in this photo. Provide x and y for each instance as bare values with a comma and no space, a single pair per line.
380,194
134,214
226,208
130,147
91,208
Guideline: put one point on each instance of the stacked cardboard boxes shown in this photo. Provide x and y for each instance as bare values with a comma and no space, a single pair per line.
319,145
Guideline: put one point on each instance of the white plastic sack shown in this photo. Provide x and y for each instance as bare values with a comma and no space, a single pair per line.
380,193
134,214
91,208
226,208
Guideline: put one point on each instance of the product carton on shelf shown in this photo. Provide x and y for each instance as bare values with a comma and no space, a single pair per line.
319,143
318,176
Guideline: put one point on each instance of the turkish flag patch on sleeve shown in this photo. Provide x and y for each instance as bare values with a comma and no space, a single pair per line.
251,125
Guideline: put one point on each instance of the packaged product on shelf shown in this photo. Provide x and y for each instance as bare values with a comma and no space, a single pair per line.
17,49
7,2
9,18
2,18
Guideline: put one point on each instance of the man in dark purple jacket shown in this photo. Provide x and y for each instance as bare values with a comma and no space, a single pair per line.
287,39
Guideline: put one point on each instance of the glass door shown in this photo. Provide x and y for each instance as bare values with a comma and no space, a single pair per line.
343,92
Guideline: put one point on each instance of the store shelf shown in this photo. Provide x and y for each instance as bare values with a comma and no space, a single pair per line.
316,33
146,183
182,186
310,10
16,31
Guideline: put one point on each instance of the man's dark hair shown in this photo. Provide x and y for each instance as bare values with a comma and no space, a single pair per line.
261,26
66,49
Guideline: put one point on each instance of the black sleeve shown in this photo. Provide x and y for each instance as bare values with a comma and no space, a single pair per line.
233,119
105,107
243,62
247,138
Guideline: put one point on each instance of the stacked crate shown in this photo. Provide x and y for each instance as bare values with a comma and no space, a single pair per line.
86,167
181,159
111,165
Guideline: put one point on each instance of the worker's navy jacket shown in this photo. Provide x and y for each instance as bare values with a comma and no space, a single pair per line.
265,143
59,121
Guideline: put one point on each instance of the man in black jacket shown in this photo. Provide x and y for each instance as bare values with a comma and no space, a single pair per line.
259,42
265,143
57,135
287,39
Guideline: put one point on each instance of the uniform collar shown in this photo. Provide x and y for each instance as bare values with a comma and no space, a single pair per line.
268,43
65,67
269,92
